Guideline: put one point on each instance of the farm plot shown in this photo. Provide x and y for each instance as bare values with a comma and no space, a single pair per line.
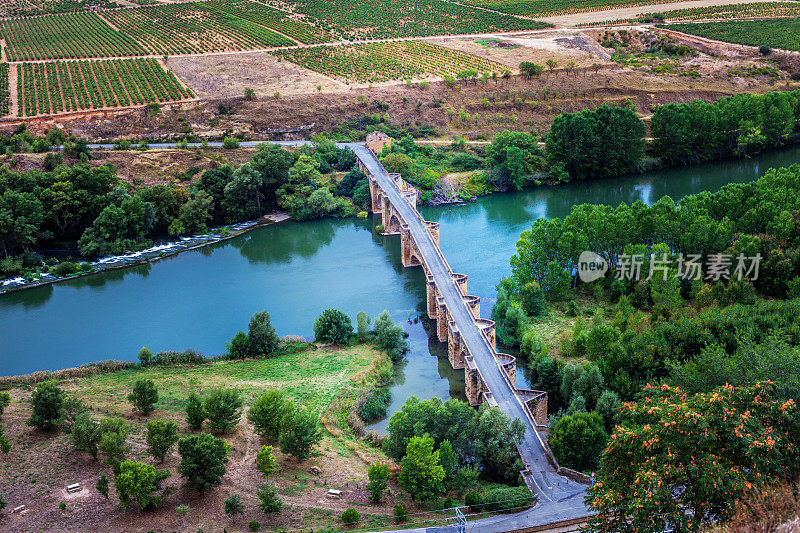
538,8
192,28
274,19
18,8
5,95
758,10
383,19
67,36
776,33
380,62
63,86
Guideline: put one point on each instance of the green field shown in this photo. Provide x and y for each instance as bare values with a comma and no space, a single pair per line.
379,62
776,33
312,378
381,19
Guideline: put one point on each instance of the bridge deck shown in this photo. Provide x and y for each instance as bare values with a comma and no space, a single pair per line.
543,480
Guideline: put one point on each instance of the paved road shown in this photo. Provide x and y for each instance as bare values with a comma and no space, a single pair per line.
560,497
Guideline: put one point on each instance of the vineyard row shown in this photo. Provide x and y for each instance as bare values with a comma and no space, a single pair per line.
64,86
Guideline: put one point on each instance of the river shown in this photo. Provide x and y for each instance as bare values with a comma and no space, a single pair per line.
201,298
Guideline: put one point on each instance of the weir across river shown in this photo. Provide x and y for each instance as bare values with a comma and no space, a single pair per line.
490,376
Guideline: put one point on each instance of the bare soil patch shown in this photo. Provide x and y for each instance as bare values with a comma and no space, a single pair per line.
227,76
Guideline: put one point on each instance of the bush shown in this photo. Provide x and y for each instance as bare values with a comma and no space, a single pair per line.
507,499
333,326
578,439
266,413
378,475
144,396
390,337
270,503
299,432
351,516
161,436
764,50
223,408
533,299
473,500
195,414
46,404
65,268
239,347
376,405
254,525
262,336
145,356
400,513
230,142
203,459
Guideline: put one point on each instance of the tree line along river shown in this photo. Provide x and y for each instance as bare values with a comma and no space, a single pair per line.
199,299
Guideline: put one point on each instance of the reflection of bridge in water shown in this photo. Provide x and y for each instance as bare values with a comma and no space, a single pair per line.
490,376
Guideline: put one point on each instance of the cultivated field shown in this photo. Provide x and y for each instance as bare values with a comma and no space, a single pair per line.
383,19
273,18
537,8
777,33
758,10
380,62
63,86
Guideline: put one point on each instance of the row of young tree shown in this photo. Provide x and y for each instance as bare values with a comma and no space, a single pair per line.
106,216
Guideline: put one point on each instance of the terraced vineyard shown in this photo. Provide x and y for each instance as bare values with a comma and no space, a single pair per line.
5,95
16,8
776,33
381,19
379,62
67,36
63,86
538,8
273,18
749,11
191,28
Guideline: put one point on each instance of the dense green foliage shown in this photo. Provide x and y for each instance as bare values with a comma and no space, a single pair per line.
484,439
137,482
421,474
270,503
161,436
223,408
144,396
195,414
299,432
730,126
333,326
578,439
46,402
266,413
203,459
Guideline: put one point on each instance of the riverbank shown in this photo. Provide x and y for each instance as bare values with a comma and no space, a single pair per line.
149,255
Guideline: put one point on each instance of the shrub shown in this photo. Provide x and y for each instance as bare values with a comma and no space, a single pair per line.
195,414
102,485
85,435
137,483
400,513
46,402
266,412
533,299
270,503
507,499
390,337
764,50
333,326
144,396
145,356
65,268
223,408
161,436
299,432
230,142
203,459
351,516
262,336
378,475
265,461
254,525
239,347
5,399
376,405
62,506
578,439
234,506
473,500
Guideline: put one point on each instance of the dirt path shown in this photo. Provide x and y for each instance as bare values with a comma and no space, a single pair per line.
12,90
633,12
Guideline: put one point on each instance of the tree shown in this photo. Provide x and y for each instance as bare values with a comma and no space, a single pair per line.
333,326
71,407
421,475
161,436
378,475
266,413
551,64
195,414
578,440
85,435
262,336
299,432
529,69
223,408
607,407
400,513
265,461
46,402
239,347
234,506
270,503
137,482
21,216
680,461
144,396
113,436
203,459
182,511
194,215
145,356
5,399
449,462
363,321
102,485
533,299
350,516
390,337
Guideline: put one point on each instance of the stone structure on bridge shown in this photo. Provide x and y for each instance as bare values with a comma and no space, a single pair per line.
376,140
534,402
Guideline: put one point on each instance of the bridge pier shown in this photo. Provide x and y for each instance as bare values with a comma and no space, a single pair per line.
473,384
455,348
409,254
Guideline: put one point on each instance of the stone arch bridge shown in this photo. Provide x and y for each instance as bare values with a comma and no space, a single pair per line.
490,376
